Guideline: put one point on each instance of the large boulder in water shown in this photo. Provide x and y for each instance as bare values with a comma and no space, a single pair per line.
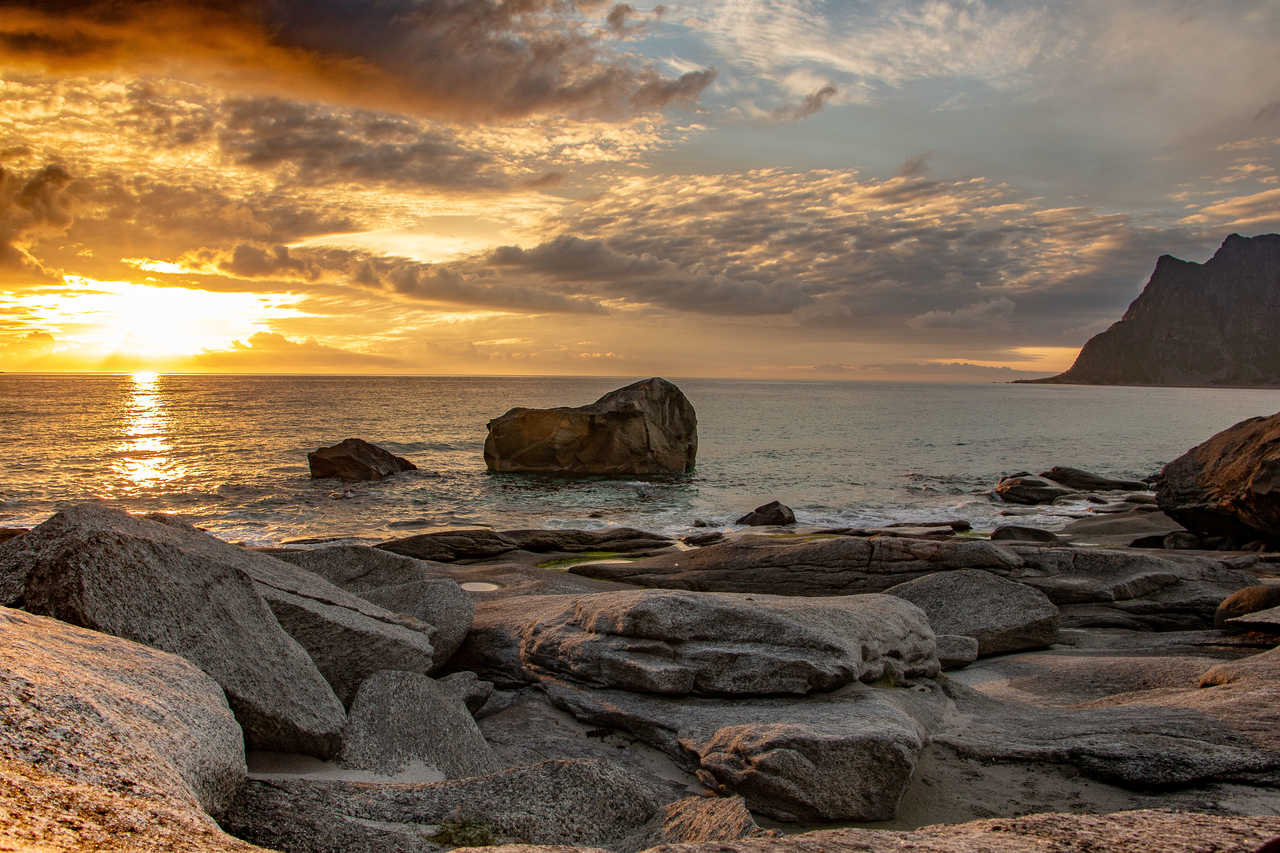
1229,485
648,427
356,459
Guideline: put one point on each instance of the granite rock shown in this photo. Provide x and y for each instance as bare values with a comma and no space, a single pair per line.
355,459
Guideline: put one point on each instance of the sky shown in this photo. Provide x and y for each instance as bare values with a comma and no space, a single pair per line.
951,190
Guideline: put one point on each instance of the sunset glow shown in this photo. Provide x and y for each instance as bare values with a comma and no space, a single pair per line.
823,190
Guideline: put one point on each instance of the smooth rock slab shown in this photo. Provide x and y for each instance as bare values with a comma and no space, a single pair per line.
619,539
396,583
678,643
843,756
1002,615
1086,481
555,802
401,719
1251,599
134,578
447,546
355,459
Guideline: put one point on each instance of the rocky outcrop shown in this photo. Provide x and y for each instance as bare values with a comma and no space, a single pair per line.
1002,615
1092,586
645,428
681,643
403,719
1229,485
771,514
1018,533
355,459
1194,324
620,539
132,578
108,744
555,802
396,583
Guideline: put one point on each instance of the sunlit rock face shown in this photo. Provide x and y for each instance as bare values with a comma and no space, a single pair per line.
1195,324
645,428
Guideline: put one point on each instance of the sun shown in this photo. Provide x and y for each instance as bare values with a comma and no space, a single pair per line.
150,324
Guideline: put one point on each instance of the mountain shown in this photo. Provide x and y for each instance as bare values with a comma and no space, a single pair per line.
1216,323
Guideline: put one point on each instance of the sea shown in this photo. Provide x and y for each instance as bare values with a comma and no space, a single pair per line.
229,453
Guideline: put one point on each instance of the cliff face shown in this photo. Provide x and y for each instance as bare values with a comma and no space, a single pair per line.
1195,324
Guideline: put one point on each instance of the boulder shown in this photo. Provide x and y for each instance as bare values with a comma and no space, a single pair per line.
770,514
555,802
354,459
648,427
469,687
846,756
1030,490
403,719
678,643
1018,533
1229,485
398,584
1002,615
705,819
447,546
108,744
133,578
1084,481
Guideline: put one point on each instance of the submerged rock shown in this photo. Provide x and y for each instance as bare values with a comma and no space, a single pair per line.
1085,481
1003,616
771,514
1229,485
648,427
355,459
1030,490
107,744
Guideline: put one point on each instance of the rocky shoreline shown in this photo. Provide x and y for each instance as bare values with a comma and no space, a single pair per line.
1110,686
619,690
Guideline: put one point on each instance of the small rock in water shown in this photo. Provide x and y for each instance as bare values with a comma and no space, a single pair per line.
1029,490
1018,533
356,459
770,514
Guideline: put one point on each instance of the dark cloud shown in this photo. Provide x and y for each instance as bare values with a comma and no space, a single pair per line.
30,206
915,167
471,59
617,18
812,103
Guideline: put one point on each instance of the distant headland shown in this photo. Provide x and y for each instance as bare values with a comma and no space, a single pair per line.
1194,324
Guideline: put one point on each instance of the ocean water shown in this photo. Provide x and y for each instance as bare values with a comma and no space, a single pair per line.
229,452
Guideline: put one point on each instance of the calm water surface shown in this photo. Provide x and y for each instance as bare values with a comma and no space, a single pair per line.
229,452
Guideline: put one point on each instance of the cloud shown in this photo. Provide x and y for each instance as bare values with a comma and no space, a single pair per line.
470,59
1255,209
993,313
39,203
812,103
276,353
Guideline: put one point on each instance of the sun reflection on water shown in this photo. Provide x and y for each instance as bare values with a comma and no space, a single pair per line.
144,457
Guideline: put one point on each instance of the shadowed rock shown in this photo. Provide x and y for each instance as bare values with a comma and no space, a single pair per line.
400,719
1229,485
398,584
134,578
1003,616
1030,490
447,546
1085,481
1017,533
355,459
620,539
648,427
107,744
771,514
555,802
